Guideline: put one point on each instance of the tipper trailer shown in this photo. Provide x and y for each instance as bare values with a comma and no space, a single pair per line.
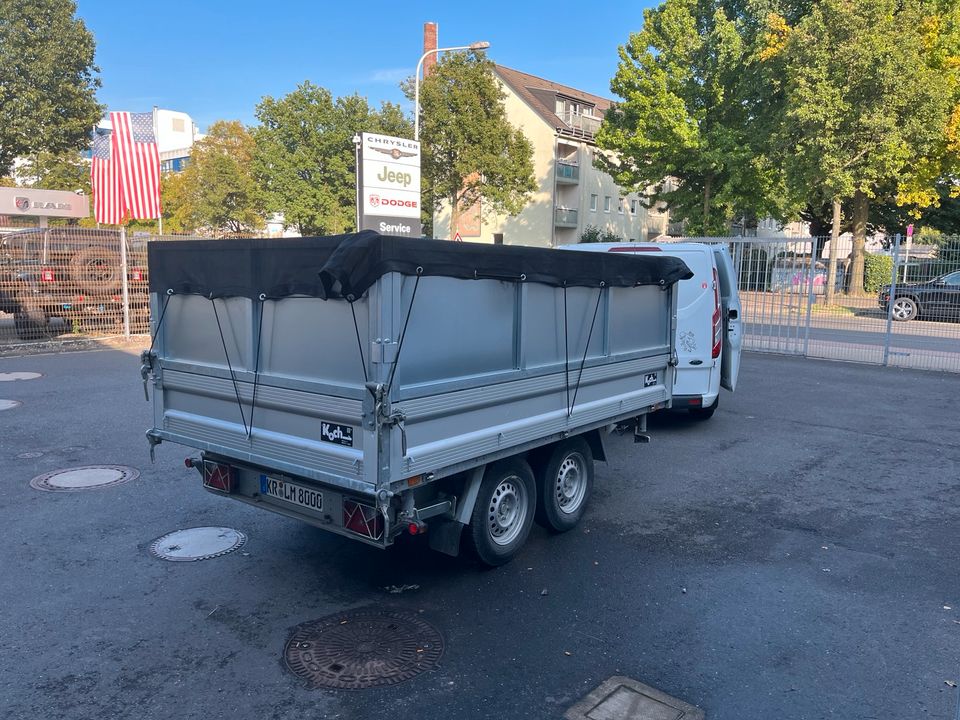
373,385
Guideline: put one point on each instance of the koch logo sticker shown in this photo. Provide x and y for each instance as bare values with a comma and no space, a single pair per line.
336,434
650,379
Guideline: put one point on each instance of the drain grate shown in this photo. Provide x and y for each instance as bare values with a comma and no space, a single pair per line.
199,543
9,404
11,376
363,649
88,477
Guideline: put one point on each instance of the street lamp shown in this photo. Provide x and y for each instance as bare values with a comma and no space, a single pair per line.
482,45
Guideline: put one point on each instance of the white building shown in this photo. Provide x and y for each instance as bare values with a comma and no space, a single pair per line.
572,194
176,133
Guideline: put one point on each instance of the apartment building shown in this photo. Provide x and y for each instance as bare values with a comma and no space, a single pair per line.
572,195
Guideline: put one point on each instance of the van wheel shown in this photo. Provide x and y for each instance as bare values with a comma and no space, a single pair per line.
504,511
705,413
564,485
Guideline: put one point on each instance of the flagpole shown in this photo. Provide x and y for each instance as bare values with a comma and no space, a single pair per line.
156,139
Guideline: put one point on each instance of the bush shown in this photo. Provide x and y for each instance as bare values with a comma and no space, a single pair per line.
877,271
593,234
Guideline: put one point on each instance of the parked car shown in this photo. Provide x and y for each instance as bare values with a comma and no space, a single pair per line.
708,333
937,299
69,273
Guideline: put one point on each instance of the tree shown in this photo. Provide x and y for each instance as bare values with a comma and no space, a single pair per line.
217,190
469,151
870,87
48,80
49,171
305,159
688,126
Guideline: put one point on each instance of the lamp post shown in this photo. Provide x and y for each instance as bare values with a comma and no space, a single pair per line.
482,45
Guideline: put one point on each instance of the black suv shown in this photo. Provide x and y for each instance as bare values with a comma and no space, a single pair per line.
71,273
937,299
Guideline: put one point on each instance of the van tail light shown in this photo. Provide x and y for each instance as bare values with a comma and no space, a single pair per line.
364,520
46,275
218,476
717,317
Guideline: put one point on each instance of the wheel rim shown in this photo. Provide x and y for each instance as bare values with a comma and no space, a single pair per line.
570,485
507,510
902,309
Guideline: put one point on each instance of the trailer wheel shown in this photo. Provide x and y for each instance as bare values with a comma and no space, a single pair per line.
503,514
564,484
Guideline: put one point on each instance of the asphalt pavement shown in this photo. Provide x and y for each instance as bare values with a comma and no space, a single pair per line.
796,556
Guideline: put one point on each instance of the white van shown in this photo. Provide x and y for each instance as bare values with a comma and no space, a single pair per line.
709,335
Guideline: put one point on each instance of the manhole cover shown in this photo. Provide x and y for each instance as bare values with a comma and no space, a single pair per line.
9,404
363,649
199,543
623,698
11,376
88,477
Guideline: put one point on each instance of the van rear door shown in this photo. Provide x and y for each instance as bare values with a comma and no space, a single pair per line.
732,314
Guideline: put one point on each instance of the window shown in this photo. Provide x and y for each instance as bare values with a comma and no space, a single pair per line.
633,207
177,124
593,202
606,203
620,205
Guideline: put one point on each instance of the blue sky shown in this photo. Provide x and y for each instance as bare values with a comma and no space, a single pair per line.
215,60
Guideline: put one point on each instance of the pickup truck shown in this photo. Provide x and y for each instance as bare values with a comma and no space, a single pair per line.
375,386
70,273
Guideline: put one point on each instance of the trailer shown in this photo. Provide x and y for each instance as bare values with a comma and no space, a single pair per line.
374,386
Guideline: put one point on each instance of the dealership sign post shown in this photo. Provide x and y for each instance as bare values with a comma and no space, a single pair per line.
388,178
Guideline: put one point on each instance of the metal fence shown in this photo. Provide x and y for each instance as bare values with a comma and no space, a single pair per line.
787,308
62,283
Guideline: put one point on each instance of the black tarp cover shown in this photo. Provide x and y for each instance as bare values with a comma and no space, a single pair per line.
345,266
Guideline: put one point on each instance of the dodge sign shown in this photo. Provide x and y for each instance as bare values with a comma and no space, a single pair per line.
389,185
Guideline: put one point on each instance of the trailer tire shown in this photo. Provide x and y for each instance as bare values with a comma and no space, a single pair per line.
504,511
564,483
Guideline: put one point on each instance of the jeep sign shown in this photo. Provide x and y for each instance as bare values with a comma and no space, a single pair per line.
389,185
43,203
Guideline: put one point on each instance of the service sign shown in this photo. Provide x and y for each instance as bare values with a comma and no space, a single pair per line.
389,185
43,203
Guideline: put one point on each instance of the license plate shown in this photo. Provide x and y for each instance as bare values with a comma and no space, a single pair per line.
291,492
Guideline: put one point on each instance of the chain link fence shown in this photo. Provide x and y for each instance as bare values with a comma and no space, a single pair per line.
63,283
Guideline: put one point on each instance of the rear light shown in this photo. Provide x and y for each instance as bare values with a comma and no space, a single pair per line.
46,275
364,520
696,401
717,326
217,476
136,274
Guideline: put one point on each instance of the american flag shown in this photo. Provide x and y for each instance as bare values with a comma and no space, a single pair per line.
109,206
134,147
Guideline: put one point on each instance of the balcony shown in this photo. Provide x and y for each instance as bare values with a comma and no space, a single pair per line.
578,125
565,217
568,172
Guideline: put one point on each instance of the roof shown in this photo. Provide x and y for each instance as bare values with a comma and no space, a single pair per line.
540,94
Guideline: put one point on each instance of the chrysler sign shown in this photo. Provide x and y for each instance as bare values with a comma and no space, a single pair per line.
43,203
389,184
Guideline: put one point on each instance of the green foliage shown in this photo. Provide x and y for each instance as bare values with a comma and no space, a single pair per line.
869,91
305,159
216,191
62,171
48,81
877,271
593,234
469,150
689,129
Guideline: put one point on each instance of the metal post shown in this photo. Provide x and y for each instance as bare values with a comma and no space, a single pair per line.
356,175
813,272
893,294
124,283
